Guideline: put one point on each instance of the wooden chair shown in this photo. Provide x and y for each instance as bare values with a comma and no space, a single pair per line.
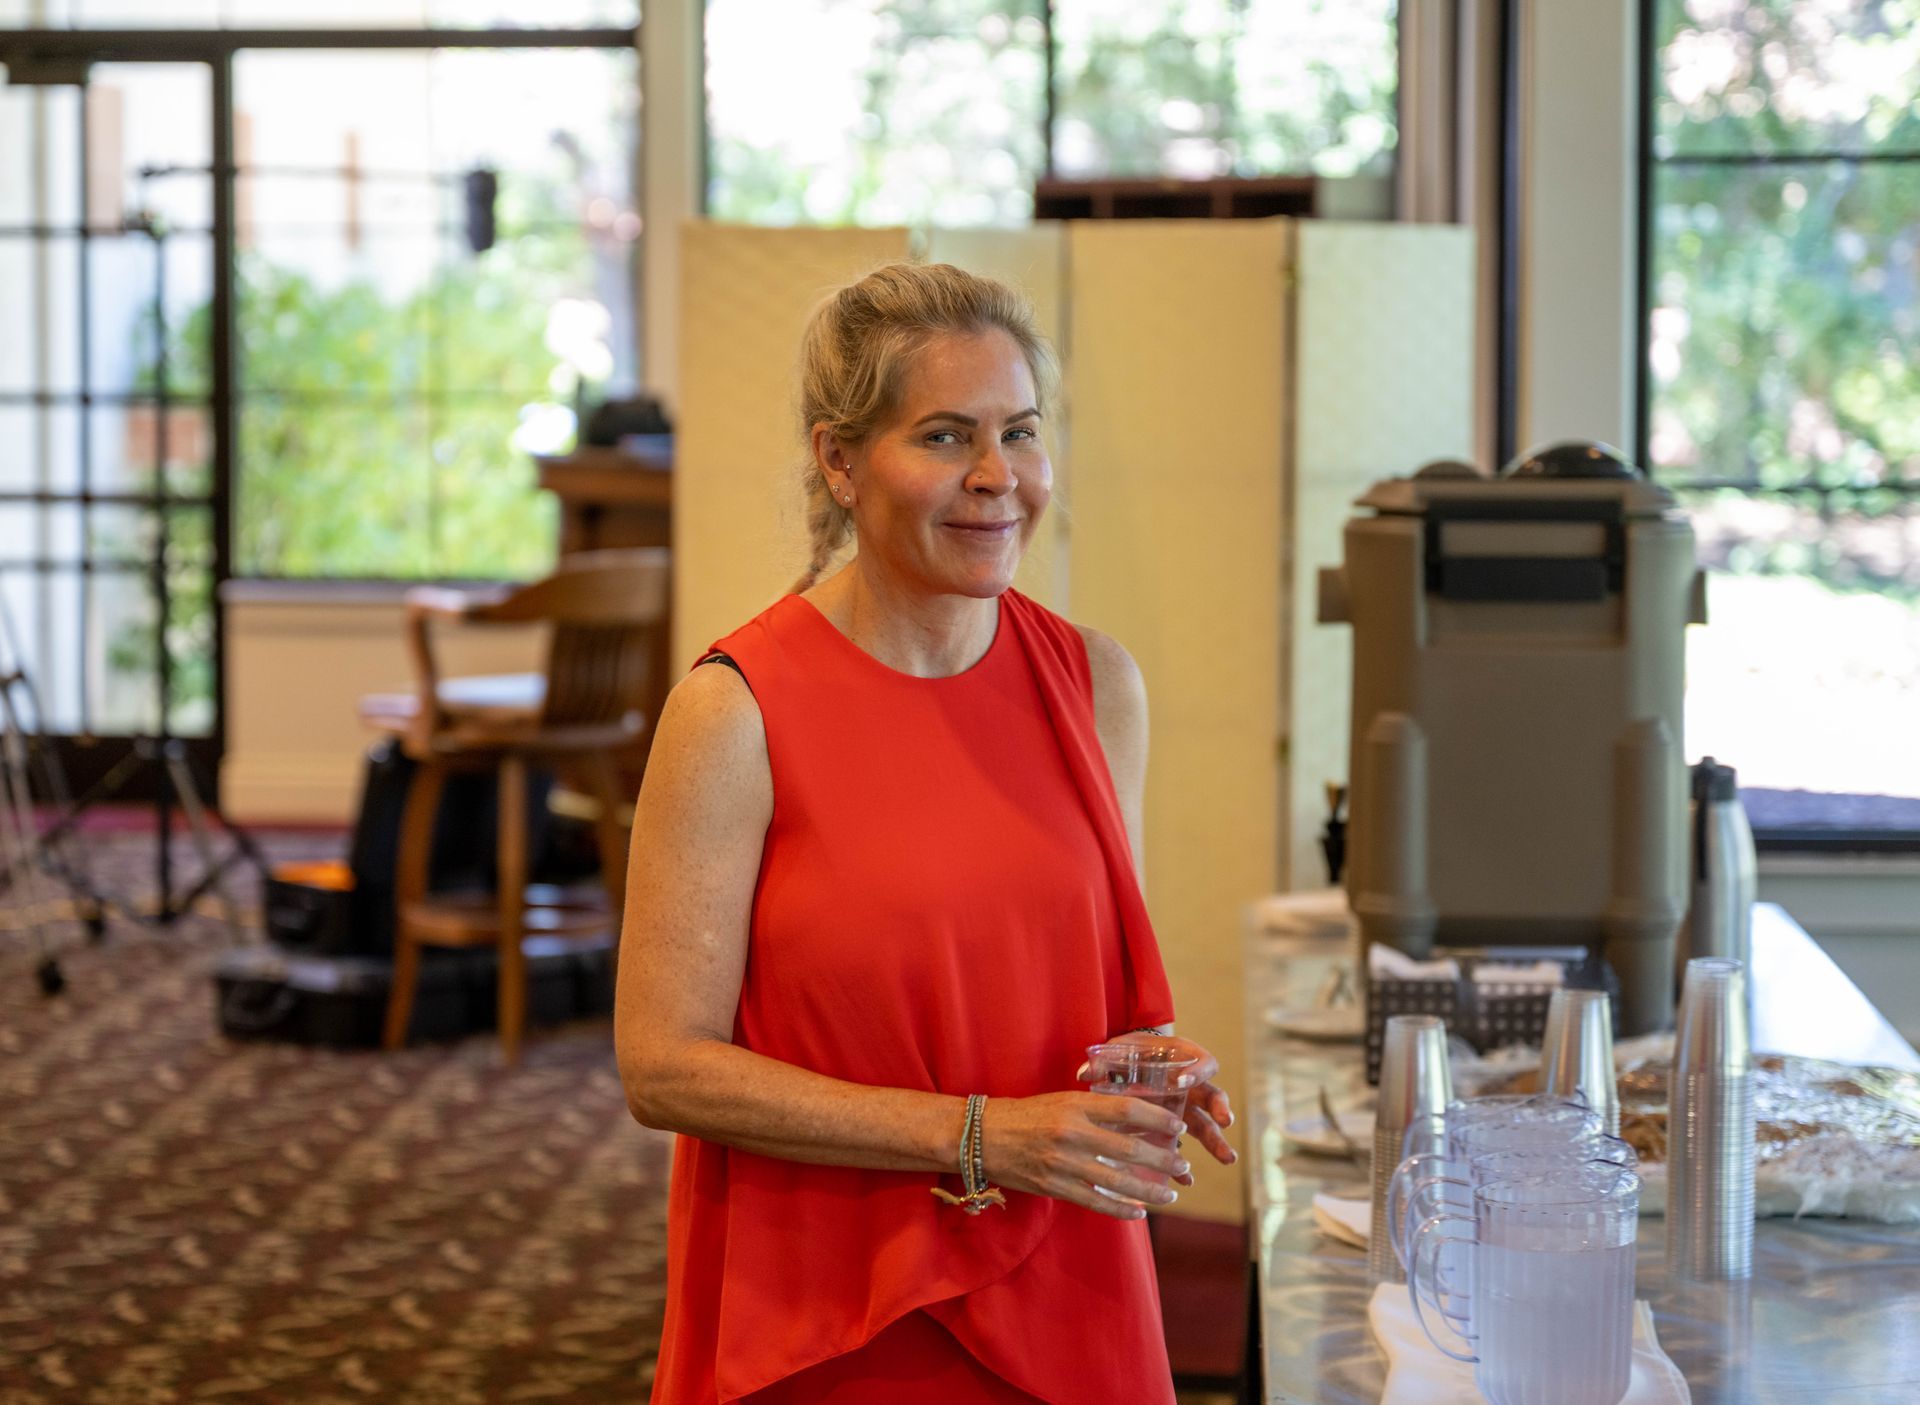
606,613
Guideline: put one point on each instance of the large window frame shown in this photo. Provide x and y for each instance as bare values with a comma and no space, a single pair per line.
1833,840
62,57
1050,115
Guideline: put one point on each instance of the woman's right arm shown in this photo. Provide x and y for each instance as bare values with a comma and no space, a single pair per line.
698,832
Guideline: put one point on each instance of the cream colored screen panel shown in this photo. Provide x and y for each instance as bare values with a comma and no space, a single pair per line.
1176,344
1033,261
1384,384
745,293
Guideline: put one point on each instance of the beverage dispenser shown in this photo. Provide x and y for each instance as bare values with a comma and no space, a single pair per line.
1517,776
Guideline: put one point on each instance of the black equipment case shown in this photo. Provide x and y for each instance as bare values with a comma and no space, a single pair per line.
263,992
324,975
353,914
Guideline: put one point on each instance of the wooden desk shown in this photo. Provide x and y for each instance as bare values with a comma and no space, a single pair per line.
611,497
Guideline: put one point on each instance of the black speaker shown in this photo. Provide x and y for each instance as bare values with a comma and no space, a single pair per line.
482,189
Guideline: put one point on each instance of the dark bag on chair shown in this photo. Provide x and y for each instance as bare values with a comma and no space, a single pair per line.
355,917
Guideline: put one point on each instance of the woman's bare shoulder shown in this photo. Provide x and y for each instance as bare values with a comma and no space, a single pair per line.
1117,681
711,733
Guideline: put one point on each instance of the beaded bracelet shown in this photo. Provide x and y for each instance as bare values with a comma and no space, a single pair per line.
973,1164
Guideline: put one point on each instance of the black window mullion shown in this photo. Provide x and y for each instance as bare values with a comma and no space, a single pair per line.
1786,158
64,399
209,45
1049,115
1898,487
224,372
1643,235
84,652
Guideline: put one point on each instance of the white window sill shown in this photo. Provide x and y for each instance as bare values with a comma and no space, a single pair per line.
1849,866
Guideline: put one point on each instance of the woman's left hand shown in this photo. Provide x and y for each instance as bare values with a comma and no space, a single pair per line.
1207,1108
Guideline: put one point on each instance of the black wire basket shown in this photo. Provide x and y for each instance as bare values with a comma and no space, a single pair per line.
1487,1015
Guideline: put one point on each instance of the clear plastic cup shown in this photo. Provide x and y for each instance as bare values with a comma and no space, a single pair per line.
1156,1073
1577,1050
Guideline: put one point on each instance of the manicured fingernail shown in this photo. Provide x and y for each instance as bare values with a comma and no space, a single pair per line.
1168,1195
1180,1168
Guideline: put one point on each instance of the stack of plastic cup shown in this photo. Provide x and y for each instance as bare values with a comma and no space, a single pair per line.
1416,1084
1578,1053
1710,1149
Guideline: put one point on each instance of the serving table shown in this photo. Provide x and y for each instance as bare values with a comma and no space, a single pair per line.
1832,1312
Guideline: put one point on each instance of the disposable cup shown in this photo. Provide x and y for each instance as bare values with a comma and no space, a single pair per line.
1160,1074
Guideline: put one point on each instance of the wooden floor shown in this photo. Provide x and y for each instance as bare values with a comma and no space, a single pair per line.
1194,1397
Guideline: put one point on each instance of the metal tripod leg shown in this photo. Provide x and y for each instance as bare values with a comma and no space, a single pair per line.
181,776
66,858
9,729
20,845
57,850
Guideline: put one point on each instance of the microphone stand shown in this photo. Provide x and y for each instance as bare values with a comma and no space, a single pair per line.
162,756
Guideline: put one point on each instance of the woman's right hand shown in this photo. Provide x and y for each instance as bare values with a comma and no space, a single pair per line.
1047,1145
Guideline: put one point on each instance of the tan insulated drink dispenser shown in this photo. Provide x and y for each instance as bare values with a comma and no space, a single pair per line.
1518,662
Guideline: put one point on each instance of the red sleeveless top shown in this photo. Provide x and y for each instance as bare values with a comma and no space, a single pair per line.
946,901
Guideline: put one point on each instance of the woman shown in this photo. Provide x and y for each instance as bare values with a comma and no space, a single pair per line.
884,861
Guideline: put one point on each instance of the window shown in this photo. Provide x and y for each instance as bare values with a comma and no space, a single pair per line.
938,111
1783,367
874,111
343,15
430,263
1225,87
393,381
104,462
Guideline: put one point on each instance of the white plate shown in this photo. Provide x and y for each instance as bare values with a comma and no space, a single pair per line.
1313,1134
1347,1221
1339,1024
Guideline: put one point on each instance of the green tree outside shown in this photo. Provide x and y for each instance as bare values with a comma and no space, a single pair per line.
1786,330
949,129
377,439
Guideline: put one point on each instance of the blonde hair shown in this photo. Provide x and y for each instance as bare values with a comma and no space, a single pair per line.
857,350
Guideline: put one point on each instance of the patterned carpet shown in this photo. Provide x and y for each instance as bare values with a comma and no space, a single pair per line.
184,1217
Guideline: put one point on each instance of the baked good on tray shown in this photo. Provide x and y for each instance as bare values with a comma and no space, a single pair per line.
1832,1139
